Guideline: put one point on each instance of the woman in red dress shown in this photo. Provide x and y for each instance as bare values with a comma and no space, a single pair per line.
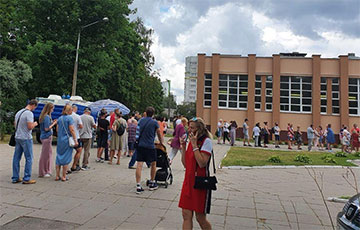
196,162
355,132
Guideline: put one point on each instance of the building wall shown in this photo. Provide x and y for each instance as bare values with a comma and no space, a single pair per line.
191,71
277,66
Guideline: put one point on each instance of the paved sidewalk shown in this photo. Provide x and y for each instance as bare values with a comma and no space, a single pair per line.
104,198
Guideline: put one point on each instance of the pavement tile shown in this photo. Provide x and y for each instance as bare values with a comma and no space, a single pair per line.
268,215
233,222
11,212
131,225
159,204
149,219
242,212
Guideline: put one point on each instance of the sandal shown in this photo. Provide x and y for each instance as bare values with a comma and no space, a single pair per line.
64,179
57,178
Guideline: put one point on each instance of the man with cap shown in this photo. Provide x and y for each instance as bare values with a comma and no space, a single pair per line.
86,136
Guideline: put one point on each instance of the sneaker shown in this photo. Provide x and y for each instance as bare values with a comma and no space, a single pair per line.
153,186
69,171
17,181
97,159
102,160
139,190
85,168
47,175
29,182
132,167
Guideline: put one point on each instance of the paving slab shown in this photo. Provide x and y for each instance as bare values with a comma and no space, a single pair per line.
104,197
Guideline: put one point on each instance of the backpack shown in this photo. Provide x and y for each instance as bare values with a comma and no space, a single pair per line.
120,130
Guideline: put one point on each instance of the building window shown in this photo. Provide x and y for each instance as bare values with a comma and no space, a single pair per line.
258,93
268,98
233,91
335,96
207,90
295,94
323,95
354,96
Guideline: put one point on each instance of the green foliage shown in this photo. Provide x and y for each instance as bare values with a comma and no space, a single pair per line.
302,158
188,110
114,57
13,78
340,154
169,101
274,159
357,154
329,158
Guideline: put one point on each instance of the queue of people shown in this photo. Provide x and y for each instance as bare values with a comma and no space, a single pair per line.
318,137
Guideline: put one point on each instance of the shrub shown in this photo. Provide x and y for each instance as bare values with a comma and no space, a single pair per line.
274,159
329,158
302,158
357,154
340,154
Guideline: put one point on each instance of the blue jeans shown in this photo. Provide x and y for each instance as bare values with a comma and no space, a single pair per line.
26,147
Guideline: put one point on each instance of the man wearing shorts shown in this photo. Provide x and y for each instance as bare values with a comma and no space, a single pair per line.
146,152
246,132
78,125
277,135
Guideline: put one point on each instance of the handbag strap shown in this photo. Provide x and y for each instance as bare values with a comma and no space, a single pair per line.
141,131
17,123
62,120
212,156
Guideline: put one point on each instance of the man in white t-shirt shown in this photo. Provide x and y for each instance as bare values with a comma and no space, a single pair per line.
256,131
24,123
78,125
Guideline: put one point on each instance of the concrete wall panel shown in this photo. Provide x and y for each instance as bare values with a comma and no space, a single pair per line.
233,65
354,68
302,120
333,120
295,66
330,67
261,117
264,66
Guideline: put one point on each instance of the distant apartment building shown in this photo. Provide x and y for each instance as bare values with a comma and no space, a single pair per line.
283,88
191,70
165,87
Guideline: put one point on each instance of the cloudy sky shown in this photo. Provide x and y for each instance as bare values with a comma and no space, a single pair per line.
264,27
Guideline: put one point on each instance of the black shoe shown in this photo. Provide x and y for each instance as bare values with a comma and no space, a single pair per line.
132,167
69,171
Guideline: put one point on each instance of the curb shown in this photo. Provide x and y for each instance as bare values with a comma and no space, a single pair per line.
285,167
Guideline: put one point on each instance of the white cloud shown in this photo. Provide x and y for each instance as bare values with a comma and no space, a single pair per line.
184,29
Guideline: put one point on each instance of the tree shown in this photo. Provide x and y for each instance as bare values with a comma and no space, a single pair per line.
13,77
187,109
169,101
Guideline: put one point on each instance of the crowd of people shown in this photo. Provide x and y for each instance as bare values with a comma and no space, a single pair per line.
134,137
322,139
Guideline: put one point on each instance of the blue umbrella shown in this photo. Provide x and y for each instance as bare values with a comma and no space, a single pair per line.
109,105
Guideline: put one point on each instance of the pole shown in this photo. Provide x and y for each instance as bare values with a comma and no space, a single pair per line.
168,98
73,92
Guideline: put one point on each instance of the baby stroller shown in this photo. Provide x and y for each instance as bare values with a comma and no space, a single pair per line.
163,175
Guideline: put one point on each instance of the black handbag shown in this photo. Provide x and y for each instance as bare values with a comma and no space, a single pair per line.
12,141
206,182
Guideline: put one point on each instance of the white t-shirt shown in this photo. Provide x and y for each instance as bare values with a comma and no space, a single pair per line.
77,122
277,130
256,131
226,127
207,146
88,124
22,131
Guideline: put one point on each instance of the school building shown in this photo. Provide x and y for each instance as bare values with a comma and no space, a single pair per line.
285,88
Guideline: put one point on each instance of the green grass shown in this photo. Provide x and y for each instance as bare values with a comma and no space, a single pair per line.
259,157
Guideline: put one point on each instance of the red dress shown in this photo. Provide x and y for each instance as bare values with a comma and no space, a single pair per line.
355,139
195,199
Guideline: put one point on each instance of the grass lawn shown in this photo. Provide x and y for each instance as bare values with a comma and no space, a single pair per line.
259,157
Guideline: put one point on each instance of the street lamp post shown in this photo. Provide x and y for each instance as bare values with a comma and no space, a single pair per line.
168,98
73,92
